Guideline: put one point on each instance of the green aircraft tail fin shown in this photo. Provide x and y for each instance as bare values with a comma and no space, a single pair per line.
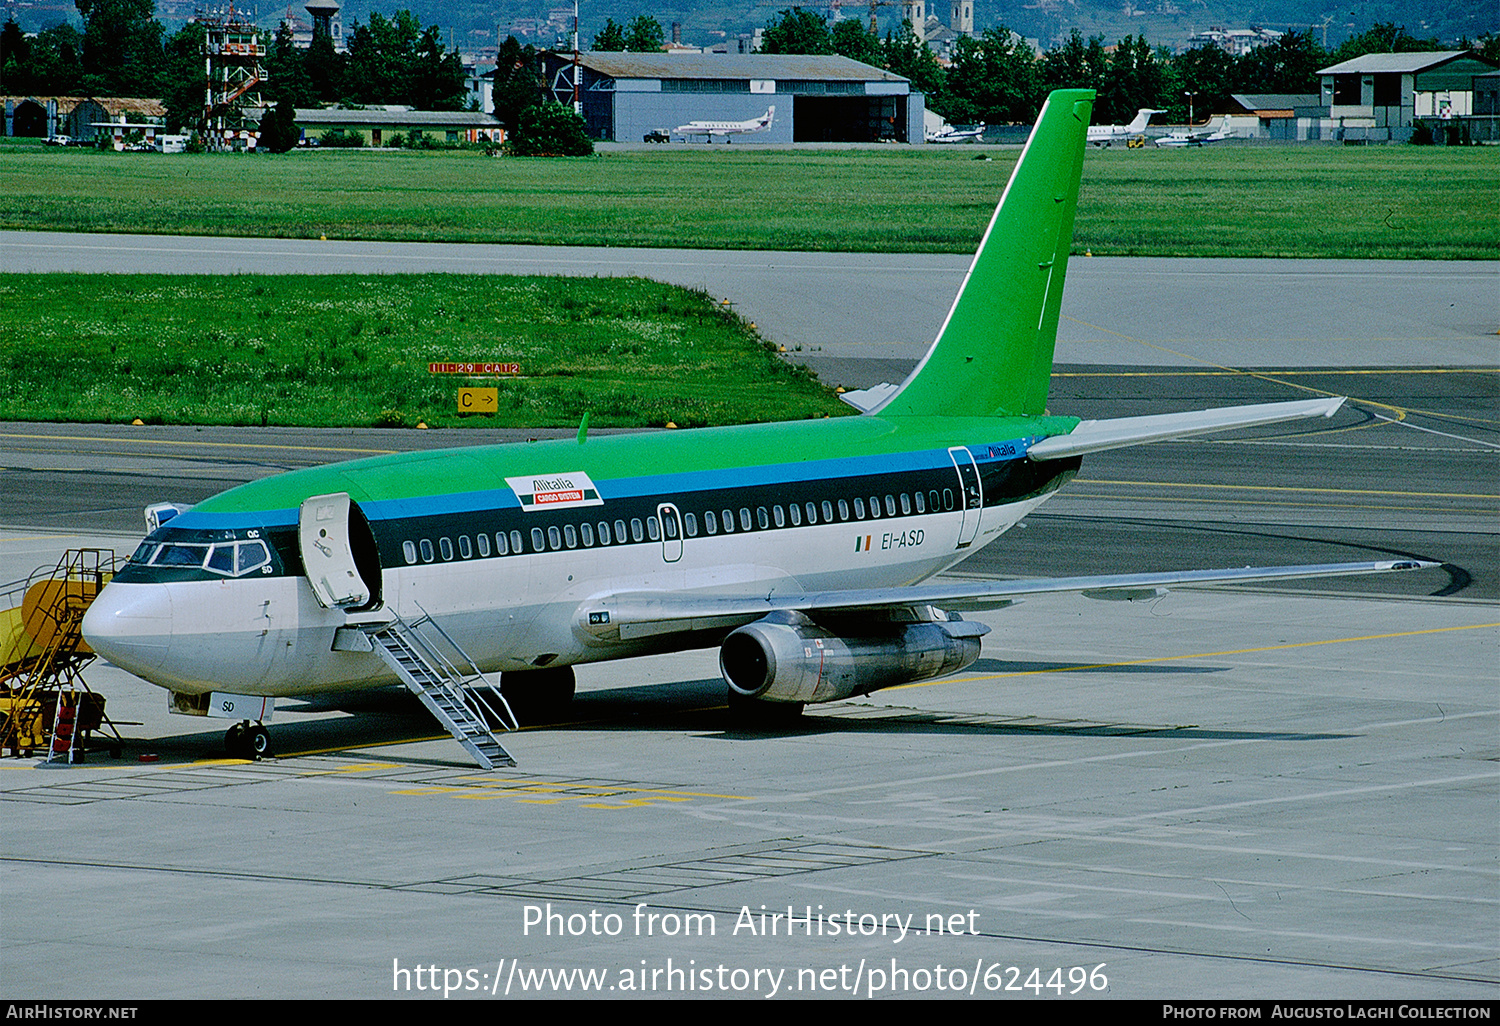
993,356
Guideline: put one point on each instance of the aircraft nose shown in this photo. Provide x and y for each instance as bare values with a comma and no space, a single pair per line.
131,626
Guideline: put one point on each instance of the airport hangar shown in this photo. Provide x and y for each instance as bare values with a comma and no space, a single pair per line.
818,98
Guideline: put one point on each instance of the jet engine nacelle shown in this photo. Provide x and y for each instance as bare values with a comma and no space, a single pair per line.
788,658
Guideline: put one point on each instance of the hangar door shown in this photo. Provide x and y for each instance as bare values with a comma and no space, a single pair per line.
849,119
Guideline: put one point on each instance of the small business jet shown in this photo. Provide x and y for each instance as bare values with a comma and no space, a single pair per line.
479,577
1104,135
727,128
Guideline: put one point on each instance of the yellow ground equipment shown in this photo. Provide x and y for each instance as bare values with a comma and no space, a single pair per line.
45,705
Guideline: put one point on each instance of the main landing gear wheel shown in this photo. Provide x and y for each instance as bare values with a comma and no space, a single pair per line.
756,714
539,696
246,740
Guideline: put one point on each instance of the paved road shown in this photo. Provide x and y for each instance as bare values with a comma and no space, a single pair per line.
829,309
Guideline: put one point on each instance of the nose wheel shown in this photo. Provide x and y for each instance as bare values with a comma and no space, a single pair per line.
246,740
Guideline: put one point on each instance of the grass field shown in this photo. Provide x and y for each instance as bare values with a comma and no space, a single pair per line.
1401,202
354,351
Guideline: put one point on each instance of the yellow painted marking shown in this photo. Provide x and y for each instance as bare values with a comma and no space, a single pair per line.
542,792
1198,655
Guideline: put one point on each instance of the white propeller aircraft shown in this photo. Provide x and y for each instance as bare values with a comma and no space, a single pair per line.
798,549
728,128
1104,135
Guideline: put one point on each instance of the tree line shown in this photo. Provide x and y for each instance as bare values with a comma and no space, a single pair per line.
997,78
124,51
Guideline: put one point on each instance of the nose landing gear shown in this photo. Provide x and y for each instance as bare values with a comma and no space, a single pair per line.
246,740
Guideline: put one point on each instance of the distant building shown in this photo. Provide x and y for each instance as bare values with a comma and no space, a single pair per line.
627,96
379,126
84,119
1390,92
1234,41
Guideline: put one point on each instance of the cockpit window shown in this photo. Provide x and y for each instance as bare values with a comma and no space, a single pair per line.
143,552
173,554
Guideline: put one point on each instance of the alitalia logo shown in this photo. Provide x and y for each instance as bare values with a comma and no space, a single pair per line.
555,491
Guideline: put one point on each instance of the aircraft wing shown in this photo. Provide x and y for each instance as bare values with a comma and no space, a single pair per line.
633,615
1098,435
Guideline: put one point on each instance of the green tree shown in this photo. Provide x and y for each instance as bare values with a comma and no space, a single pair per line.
1382,37
850,39
550,130
518,82
911,58
611,38
289,80
994,79
1075,64
396,61
15,58
53,64
278,128
324,66
182,90
1205,71
644,35
1135,78
797,31
1288,65
122,48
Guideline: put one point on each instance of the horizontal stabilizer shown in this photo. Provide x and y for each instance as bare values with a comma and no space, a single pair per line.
642,614
1098,435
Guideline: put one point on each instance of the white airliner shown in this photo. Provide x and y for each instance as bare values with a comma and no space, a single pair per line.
1103,135
798,549
728,128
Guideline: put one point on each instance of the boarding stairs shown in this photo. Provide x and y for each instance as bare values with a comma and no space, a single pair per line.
453,695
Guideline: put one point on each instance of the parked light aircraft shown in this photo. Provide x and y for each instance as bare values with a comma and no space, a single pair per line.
949,134
728,128
797,548
1103,135
1191,137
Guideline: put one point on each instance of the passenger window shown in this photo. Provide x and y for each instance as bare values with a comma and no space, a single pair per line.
947,498
603,532
538,540
874,505
484,544
620,531
637,531
763,517
890,505
843,509
921,503
728,521
587,531
409,550
744,518
710,522
669,526
502,544
932,500
515,542
905,504
426,550
570,535
812,513
653,528
445,546
464,548
859,508
554,538
780,515
827,512
690,524
796,512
